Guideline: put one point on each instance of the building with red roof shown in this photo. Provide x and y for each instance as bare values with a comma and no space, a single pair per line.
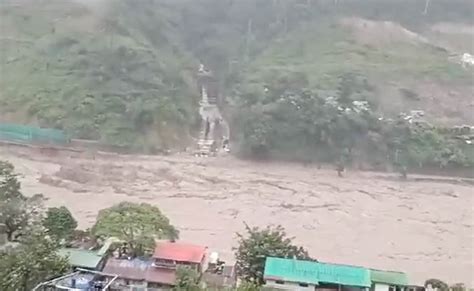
159,271
168,256
179,253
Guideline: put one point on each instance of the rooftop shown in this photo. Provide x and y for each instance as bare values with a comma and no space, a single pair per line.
139,269
315,272
344,275
80,279
163,276
81,258
127,269
291,270
389,277
180,252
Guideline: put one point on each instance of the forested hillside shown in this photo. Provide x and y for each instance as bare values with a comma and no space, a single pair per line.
107,70
123,71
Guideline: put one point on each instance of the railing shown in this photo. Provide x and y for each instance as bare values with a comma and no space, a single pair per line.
164,265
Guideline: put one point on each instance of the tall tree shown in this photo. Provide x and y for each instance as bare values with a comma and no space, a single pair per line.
59,222
258,244
437,284
31,262
9,184
16,210
137,224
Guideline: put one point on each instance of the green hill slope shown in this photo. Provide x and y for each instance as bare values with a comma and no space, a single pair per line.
396,69
122,71
111,74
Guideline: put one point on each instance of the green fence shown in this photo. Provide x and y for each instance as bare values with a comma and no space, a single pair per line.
31,134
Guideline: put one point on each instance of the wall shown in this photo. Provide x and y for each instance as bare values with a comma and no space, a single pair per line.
127,285
288,286
381,287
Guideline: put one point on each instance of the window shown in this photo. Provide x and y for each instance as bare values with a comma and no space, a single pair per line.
280,282
303,285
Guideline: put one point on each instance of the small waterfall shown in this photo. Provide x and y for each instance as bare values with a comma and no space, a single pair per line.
213,137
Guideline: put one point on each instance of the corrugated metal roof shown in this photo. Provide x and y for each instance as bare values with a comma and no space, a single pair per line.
179,252
291,270
137,269
389,277
81,258
162,276
127,269
315,272
344,275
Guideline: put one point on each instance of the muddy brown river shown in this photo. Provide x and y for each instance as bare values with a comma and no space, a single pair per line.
422,226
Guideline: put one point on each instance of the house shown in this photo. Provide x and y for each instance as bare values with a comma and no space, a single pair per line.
79,280
138,274
415,288
81,258
290,274
130,273
88,259
287,274
159,271
388,280
170,255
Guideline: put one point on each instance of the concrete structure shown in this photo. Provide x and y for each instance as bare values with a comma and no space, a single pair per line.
286,285
130,273
388,280
80,280
80,258
290,274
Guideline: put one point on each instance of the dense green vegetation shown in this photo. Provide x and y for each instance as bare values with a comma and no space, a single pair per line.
17,211
59,223
111,76
29,257
140,225
122,73
285,121
255,245
33,261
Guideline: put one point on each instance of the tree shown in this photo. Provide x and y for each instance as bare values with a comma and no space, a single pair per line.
437,284
16,210
59,222
31,262
458,287
248,286
137,224
258,244
187,279
9,184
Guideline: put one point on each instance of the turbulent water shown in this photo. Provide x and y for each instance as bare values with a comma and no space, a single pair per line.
423,227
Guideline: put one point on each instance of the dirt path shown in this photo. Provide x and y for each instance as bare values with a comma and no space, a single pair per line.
424,228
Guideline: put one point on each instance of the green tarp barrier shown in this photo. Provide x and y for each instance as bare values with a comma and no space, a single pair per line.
31,134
